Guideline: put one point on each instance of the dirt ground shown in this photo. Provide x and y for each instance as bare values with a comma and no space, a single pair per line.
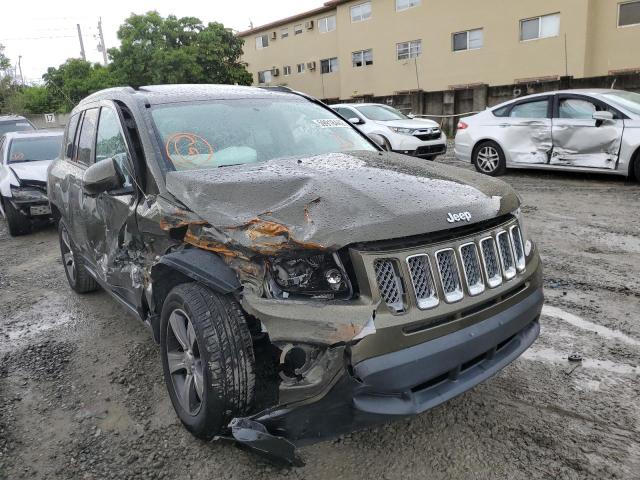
82,395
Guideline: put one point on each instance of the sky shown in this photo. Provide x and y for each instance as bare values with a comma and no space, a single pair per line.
44,32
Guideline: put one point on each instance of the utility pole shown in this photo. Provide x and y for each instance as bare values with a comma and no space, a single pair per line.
20,70
102,47
82,54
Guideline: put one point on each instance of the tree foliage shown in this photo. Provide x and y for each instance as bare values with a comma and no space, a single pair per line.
157,50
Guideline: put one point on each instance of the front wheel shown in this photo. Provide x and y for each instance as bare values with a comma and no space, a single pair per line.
207,358
488,158
80,280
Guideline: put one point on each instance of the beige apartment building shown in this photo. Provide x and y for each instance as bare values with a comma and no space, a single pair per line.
354,48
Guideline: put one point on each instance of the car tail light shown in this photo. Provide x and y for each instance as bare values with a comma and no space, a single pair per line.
462,125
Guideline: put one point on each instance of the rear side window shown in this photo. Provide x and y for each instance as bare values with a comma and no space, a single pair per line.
535,109
502,111
85,141
70,135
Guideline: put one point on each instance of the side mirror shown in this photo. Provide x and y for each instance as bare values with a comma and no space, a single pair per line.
102,176
356,121
379,140
411,115
602,117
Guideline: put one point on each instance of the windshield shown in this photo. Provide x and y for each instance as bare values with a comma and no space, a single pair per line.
234,132
34,149
627,100
381,113
17,126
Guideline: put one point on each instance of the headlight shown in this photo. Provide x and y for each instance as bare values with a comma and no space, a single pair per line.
402,131
28,194
316,276
523,231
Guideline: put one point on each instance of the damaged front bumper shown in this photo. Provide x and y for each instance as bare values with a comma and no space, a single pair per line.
397,384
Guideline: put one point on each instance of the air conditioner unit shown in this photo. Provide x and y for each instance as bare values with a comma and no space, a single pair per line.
275,72
309,25
311,65
274,35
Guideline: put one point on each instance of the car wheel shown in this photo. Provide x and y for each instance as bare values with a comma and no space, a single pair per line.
636,167
78,277
488,158
18,223
207,358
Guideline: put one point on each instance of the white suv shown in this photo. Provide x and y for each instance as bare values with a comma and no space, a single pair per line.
401,133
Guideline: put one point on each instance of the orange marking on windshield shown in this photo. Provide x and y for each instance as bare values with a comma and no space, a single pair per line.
184,149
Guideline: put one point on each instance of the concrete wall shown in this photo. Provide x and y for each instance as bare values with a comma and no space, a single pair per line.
40,121
594,46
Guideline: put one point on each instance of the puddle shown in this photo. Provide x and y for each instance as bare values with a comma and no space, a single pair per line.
576,321
550,355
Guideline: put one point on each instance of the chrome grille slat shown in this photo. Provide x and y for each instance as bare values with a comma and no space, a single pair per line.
491,261
422,281
449,275
389,284
471,268
506,255
518,247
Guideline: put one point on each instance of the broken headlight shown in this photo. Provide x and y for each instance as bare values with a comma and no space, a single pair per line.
28,194
317,276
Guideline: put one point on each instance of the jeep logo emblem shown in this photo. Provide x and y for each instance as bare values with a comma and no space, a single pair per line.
458,217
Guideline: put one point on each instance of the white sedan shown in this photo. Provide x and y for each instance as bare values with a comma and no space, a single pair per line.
24,159
401,133
580,130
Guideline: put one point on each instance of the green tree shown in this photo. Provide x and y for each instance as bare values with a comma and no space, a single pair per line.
156,50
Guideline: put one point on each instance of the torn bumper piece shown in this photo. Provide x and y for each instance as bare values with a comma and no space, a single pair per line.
407,382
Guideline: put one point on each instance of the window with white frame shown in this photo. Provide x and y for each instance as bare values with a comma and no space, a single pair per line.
405,4
327,24
297,29
301,67
284,32
361,12
410,49
262,41
329,65
362,58
629,13
286,70
264,77
469,40
540,27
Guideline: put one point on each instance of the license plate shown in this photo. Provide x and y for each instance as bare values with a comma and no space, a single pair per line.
40,210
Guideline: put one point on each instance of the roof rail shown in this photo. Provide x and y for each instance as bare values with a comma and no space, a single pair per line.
277,88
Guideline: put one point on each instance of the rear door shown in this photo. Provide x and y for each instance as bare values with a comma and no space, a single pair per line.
581,141
524,130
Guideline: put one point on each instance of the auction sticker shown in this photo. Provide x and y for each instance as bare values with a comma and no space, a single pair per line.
330,123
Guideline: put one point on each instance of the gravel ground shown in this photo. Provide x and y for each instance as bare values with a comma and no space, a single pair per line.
82,395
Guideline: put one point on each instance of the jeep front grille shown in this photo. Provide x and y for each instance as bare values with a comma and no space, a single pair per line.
468,267
389,284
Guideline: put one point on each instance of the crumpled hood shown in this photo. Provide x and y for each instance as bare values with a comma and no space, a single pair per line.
336,199
31,170
413,123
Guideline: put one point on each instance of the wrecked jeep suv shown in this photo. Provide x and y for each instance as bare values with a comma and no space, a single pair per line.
301,282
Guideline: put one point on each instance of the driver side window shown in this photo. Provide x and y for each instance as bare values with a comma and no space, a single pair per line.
111,144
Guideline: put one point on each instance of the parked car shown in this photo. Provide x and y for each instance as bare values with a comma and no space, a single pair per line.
24,158
573,130
301,281
14,123
401,133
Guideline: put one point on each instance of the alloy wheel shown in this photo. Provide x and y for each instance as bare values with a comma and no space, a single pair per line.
67,256
488,159
184,361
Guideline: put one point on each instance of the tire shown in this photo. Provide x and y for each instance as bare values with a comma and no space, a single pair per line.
488,158
18,223
217,349
636,167
80,280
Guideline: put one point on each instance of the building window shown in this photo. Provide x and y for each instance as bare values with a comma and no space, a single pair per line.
404,4
361,12
264,77
297,30
327,24
628,14
410,49
287,70
362,58
301,68
262,41
540,27
284,33
329,65
469,40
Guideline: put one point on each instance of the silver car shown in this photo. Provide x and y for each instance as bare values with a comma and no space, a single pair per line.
581,130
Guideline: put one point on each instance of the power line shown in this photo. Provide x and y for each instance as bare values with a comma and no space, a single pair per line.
36,38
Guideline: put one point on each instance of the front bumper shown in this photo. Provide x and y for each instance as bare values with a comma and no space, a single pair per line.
33,209
426,150
410,381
